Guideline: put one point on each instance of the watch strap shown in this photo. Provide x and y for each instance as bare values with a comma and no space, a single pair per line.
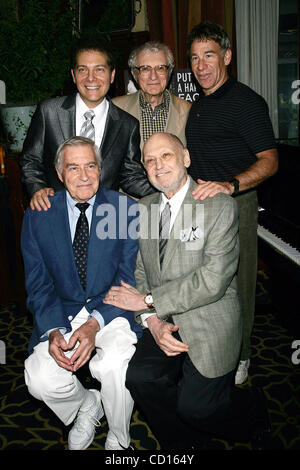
149,305
236,184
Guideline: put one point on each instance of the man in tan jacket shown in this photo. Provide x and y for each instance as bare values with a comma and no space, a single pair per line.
153,105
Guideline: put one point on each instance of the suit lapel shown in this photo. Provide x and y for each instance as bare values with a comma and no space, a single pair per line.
111,131
135,110
66,116
133,104
60,228
174,121
150,239
186,217
94,245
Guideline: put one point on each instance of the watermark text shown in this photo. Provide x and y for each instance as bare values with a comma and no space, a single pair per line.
2,352
296,354
296,94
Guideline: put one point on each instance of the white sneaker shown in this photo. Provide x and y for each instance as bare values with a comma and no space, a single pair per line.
83,431
112,443
242,372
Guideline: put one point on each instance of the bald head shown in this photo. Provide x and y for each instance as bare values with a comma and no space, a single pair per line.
161,137
166,162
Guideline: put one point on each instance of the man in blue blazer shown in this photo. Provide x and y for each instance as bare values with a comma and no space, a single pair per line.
70,320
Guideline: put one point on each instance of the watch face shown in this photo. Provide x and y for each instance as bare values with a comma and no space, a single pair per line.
149,299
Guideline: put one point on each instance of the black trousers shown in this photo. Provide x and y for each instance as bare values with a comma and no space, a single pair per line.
182,406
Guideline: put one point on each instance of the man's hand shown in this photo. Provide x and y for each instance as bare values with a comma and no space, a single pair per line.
162,333
264,167
84,338
57,348
211,188
125,297
40,199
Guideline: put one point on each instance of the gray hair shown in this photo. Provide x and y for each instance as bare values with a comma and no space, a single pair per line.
72,142
152,46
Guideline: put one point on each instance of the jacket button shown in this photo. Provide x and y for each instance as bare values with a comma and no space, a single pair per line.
70,318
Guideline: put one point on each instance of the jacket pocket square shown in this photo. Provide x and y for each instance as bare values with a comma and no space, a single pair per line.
189,234
193,238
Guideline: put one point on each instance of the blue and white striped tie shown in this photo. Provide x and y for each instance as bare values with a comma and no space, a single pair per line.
88,129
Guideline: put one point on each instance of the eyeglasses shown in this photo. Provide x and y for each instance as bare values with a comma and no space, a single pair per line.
146,70
150,162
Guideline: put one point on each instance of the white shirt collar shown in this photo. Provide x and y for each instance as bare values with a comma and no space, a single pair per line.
81,107
175,201
178,197
72,203
99,120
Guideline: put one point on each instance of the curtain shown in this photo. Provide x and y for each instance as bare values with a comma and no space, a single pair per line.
170,21
257,49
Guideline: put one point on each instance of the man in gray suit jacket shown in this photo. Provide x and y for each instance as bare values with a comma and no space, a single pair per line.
116,132
186,298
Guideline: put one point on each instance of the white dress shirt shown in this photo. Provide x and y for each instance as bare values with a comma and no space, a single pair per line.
99,120
175,205
175,202
73,215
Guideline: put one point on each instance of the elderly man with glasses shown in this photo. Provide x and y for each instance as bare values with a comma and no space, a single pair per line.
153,105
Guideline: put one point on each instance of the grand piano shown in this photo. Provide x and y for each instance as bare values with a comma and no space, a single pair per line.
279,236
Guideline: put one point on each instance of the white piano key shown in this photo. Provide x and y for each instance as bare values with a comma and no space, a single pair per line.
283,247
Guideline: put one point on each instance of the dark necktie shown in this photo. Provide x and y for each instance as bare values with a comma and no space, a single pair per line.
88,129
164,228
80,243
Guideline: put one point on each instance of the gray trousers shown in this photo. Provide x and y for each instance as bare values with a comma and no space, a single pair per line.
247,270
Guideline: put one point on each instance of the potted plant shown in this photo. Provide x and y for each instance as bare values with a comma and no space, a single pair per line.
35,42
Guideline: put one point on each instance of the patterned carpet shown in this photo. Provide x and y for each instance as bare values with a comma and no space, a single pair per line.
26,424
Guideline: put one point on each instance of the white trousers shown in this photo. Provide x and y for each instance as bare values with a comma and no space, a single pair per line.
64,394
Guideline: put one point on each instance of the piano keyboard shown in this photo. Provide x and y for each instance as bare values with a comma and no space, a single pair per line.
287,243
283,247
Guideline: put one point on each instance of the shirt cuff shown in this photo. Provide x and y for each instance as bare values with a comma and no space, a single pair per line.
95,314
61,330
144,317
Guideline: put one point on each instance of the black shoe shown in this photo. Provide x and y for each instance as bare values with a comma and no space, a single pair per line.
202,444
262,427
131,447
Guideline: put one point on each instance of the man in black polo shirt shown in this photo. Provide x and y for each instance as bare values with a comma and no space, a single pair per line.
232,147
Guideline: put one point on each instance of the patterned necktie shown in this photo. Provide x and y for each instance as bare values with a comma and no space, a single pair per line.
80,243
164,228
88,129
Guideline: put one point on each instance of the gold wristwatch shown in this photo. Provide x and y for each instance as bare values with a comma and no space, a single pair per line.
148,299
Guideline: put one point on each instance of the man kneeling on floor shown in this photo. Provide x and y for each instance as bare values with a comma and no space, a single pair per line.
186,298
73,253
